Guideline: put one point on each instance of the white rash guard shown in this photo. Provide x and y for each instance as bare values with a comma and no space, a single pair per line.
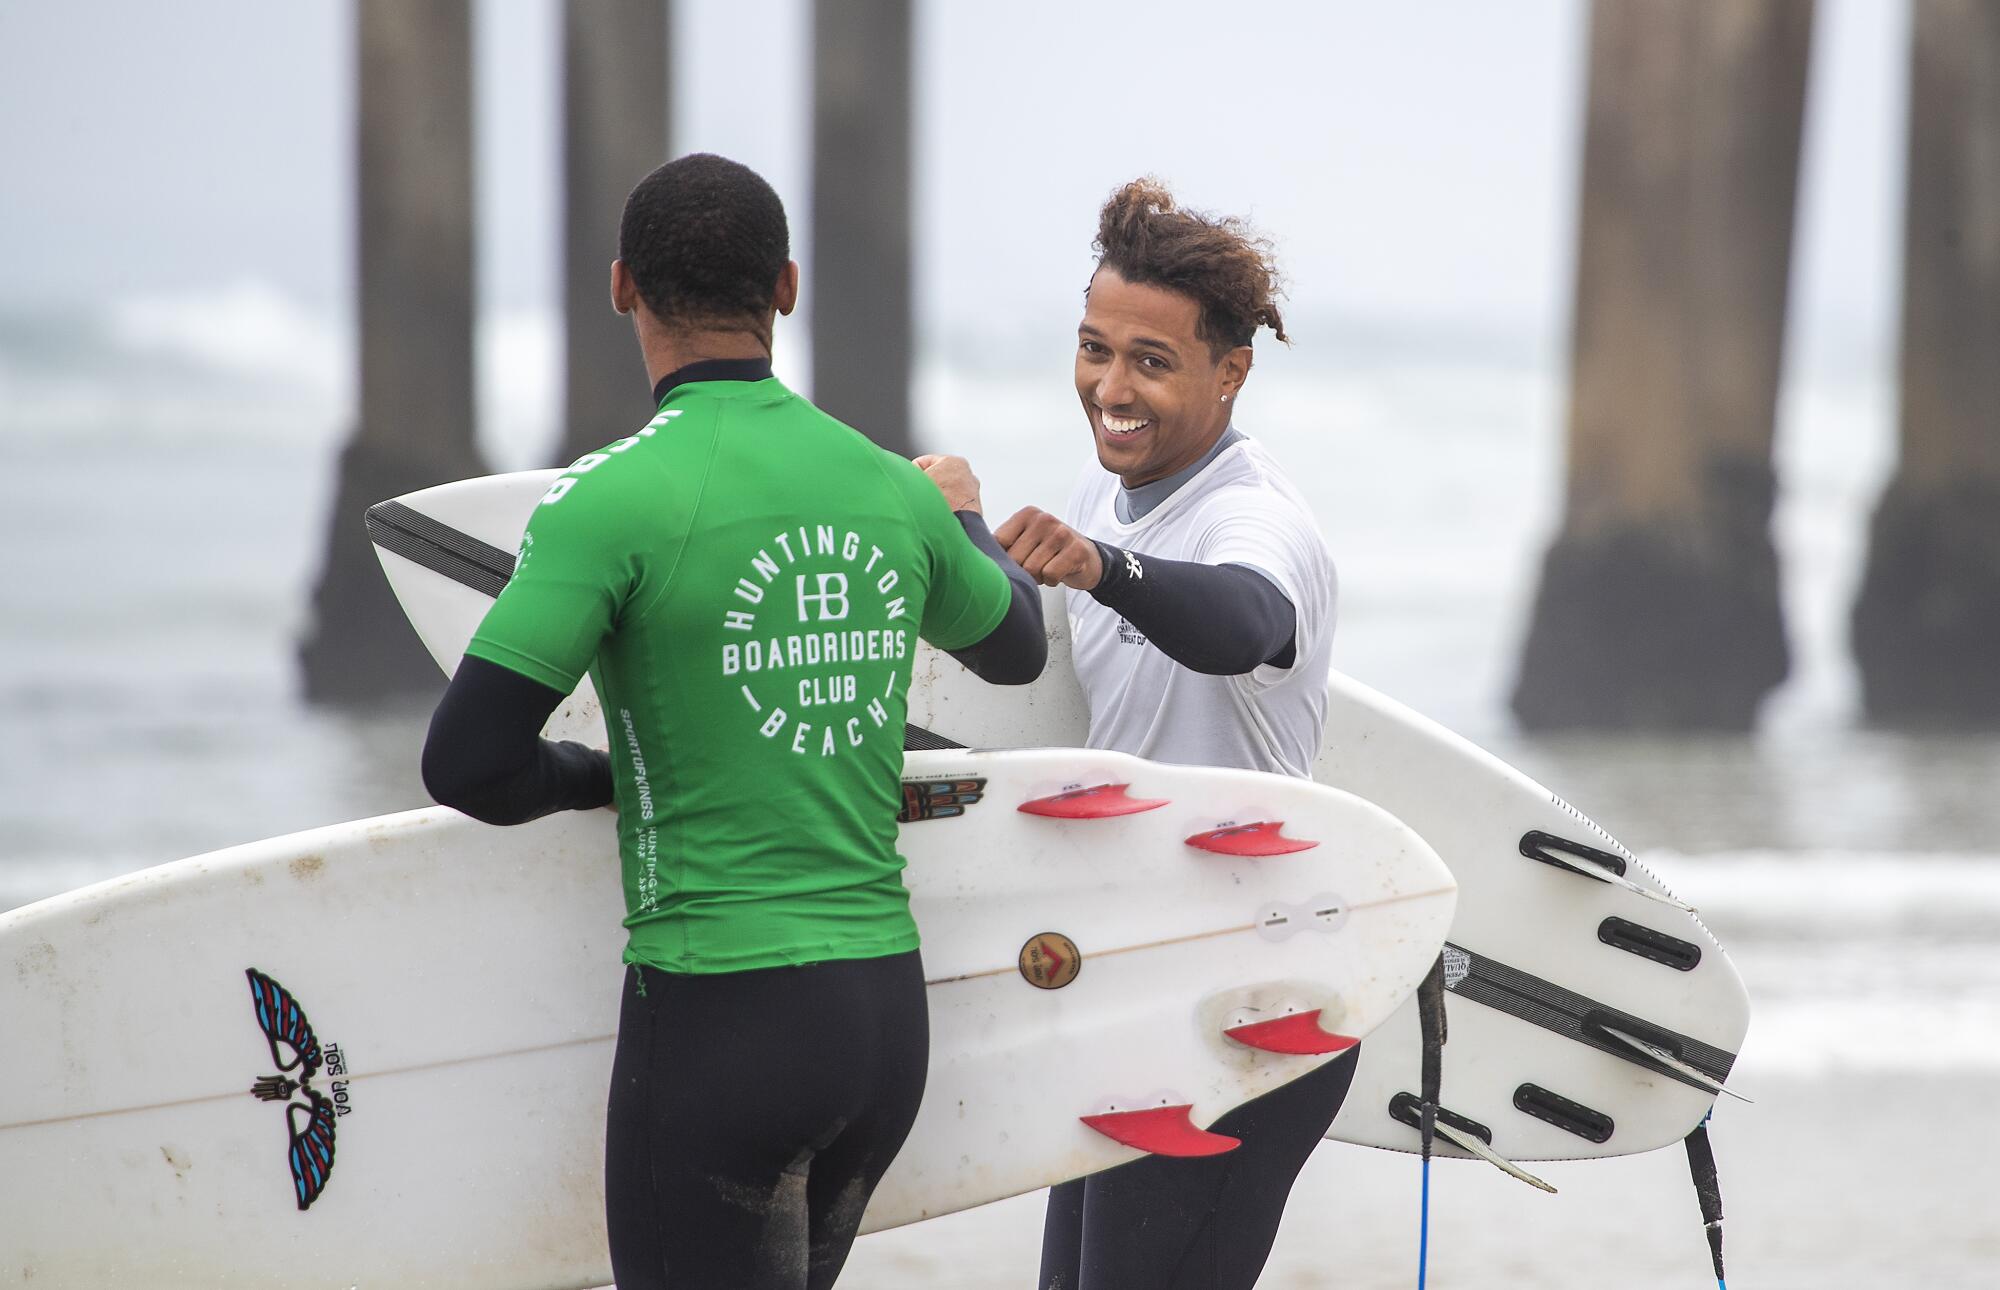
1239,509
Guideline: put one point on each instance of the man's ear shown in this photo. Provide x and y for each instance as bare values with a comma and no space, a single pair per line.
1235,369
624,291
786,297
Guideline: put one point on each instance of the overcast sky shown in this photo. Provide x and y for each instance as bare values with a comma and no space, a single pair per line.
1415,162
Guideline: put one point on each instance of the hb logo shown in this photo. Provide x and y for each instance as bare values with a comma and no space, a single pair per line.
831,597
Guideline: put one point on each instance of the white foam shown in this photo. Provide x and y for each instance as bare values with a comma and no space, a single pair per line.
246,328
244,358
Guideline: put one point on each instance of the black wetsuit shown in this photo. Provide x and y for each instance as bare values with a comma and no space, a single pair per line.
1206,1223
751,1111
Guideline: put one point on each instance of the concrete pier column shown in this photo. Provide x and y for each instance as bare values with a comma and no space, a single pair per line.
1658,606
616,97
414,158
1927,620
859,281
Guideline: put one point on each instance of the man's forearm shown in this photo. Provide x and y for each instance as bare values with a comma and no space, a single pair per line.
485,755
1220,619
1014,652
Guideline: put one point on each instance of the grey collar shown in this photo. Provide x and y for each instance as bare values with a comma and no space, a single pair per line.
1134,504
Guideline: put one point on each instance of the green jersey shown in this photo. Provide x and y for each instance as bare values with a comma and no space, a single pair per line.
745,580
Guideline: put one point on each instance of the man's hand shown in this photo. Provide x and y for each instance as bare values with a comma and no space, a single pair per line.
954,478
1050,551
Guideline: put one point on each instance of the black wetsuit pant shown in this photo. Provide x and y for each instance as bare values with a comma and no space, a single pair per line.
1205,1223
752,1114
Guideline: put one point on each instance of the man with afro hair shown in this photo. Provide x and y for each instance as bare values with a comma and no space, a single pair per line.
745,580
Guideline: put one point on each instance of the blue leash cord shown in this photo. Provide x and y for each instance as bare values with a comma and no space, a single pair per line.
1424,1227
1431,1030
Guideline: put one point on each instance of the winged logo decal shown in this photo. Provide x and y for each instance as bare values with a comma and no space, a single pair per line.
296,1052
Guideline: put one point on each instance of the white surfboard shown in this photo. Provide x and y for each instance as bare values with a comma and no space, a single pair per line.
1562,942
378,1053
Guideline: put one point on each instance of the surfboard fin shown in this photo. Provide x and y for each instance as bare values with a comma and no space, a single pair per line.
1162,1130
1589,862
1098,802
1668,1060
1264,838
1672,902
1470,1142
1467,1134
1620,881
1299,1033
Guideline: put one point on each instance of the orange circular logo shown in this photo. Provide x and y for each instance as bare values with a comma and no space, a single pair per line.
1049,961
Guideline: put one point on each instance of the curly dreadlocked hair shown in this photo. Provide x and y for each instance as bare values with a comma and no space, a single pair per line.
1219,263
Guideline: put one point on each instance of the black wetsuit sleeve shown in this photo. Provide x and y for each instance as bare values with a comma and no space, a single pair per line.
485,755
1221,619
1014,652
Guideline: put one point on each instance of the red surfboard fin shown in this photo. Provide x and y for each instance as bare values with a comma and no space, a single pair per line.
1096,803
1298,1033
1162,1130
1264,838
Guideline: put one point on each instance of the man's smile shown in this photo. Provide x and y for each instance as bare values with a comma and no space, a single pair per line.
1122,427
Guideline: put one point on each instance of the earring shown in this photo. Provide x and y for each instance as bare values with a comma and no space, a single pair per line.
1223,399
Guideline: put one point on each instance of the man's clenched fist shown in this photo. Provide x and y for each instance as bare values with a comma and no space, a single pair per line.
954,478
1050,551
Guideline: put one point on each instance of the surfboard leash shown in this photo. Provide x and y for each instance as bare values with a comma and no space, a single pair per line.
1431,1034
1701,1164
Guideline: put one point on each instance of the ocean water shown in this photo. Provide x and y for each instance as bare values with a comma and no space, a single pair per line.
155,563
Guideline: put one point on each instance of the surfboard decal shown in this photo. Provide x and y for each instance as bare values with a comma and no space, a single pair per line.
938,799
284,1024
1049,961
294,1047
311,1154
439,547
1578,1017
